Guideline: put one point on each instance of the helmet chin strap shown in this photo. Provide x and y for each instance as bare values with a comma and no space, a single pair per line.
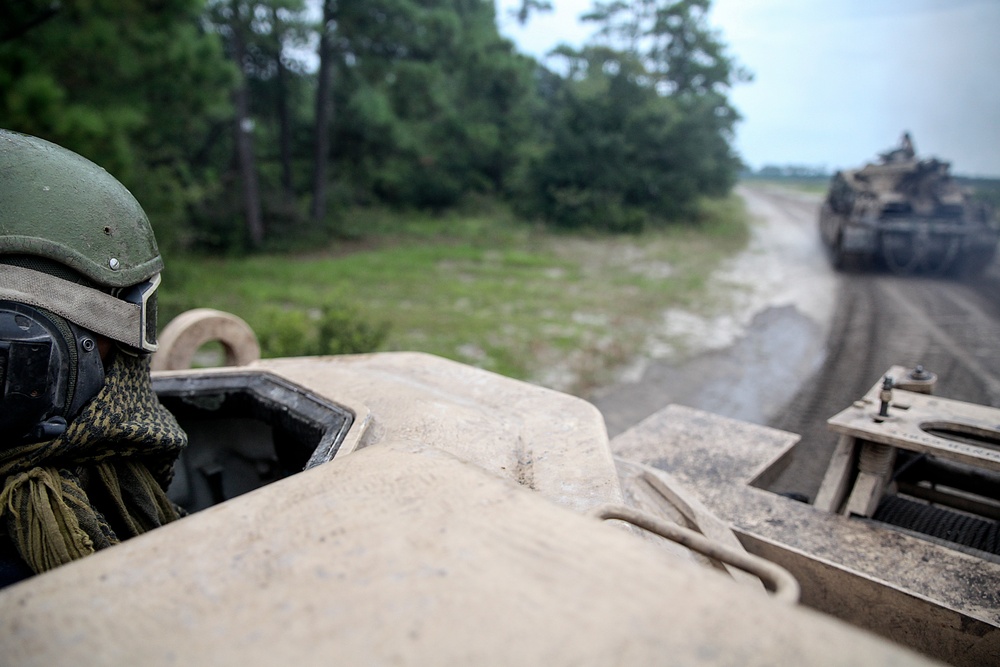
49,369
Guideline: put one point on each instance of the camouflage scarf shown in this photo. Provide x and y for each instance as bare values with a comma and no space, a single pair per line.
98,483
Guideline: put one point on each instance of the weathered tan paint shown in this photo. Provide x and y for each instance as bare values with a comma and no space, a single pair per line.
923,595
860,469
404,554
187,332
545,440
448,529
911,413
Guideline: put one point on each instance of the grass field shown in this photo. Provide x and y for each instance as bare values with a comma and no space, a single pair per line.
558,309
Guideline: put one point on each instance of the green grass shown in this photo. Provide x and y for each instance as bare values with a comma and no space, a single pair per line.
563,310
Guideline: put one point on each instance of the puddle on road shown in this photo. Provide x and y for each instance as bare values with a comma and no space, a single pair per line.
748,360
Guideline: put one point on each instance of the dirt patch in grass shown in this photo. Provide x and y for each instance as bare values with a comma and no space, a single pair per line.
564,311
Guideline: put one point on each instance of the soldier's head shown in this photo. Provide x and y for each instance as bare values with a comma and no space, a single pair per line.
79,269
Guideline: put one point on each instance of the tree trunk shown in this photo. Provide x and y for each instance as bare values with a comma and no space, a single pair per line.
244,140
284,117
324,113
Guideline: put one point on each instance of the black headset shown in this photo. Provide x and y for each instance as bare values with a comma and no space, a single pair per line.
49,369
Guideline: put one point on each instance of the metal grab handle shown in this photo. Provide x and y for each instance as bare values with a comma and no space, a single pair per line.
776,579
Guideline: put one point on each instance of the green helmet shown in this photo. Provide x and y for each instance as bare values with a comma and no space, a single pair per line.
58,205
78,261
63,217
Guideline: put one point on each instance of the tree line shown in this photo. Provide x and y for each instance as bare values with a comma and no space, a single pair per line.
241,122
790,171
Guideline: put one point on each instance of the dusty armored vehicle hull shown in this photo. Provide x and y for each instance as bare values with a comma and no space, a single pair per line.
447,515
901,538
452,524
909,216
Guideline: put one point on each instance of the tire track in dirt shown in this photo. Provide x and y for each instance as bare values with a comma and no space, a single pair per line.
960,327
874,320
782,295
882,320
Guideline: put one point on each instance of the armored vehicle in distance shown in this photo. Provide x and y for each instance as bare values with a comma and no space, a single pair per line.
907,214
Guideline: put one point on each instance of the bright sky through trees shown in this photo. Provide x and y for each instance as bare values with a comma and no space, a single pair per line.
837,82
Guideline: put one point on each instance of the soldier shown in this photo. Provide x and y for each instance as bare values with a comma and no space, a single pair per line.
905,152
906,149
87,449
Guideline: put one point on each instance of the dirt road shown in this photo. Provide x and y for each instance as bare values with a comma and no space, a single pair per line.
807,341
951,327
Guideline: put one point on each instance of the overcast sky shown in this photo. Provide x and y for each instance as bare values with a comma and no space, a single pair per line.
836,82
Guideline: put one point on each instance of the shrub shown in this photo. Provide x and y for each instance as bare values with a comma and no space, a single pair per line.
334,329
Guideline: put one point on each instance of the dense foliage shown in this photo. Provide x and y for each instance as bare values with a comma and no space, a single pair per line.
435,103
243,123
138,90
642,125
